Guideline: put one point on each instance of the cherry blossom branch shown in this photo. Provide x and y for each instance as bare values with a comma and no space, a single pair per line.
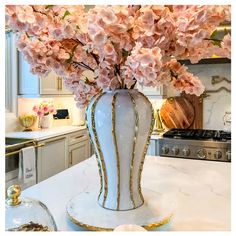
117,73
133,84
92,54
38,11
75,63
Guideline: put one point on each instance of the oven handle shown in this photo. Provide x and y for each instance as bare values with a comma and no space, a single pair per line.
18,151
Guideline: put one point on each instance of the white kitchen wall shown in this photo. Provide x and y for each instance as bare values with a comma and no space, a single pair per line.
76,115
11,122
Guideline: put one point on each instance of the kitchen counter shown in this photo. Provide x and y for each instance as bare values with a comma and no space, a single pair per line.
42,134
200,191
156,136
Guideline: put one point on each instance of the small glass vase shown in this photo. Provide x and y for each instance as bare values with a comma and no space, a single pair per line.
45,122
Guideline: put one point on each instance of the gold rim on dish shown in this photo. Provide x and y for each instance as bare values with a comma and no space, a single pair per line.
97,228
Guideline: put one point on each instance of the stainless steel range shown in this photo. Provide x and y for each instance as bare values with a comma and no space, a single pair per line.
200,144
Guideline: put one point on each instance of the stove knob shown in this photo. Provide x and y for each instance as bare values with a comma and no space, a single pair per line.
165,149
228,155
175,150
218,155
202,154
186,151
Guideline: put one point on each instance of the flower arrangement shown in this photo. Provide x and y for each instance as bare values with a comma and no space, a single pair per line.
44,108
122,45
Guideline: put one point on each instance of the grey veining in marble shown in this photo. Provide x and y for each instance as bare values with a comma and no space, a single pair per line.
217,104
214,106
200,191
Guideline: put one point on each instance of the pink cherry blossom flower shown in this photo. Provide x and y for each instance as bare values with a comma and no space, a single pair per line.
63,54
226,45
121,45
25,15
107,15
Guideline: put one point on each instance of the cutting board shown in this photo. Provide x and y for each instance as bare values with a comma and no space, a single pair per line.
177,112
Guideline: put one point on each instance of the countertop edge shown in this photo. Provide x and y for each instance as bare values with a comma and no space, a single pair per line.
42,136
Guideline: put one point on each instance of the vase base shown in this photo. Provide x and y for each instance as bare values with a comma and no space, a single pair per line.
84,211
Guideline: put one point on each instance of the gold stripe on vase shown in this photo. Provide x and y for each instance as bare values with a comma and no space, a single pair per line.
98,162
99,147
146,147
133,149
116,148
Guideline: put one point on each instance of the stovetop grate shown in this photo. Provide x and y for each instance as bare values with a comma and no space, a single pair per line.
199,134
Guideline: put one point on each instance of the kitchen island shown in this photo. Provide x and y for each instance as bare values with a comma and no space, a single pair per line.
200,191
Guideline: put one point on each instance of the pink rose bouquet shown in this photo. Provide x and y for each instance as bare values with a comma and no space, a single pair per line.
44,108
121,45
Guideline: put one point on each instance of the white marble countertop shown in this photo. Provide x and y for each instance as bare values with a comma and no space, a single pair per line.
42,134
200,190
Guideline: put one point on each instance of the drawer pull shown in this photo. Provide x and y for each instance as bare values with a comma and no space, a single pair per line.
79,136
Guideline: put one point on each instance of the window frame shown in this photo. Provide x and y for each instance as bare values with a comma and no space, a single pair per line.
11,73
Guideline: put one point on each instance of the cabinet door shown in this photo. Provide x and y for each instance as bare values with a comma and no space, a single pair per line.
52,157
52,84
64,90
150,91
78,152
91,151
152,148
28,83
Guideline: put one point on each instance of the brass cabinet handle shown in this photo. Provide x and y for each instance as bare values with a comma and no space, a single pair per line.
57,83
40,145
80,136
60,83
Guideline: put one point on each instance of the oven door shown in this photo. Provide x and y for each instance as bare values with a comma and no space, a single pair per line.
11,169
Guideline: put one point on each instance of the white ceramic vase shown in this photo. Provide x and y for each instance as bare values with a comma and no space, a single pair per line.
46,121
120,123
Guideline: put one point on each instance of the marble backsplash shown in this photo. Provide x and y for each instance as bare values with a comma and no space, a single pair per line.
217,106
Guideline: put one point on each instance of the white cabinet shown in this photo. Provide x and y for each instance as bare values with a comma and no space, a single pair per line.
52,84
79,149
153,149
28,83
32,85
160,91
52,158
78,152
59,153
